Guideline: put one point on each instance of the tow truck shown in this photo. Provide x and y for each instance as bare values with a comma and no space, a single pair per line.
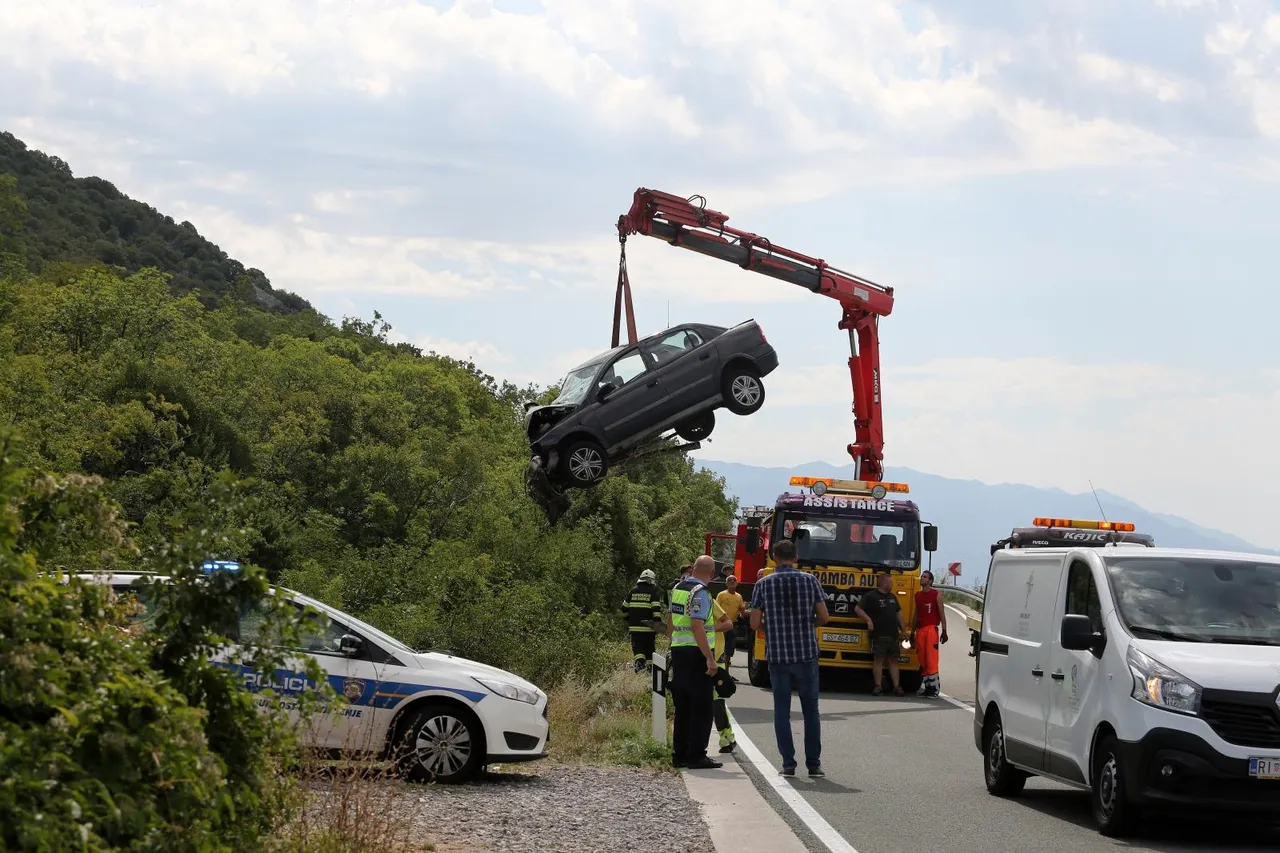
845,532
1051,532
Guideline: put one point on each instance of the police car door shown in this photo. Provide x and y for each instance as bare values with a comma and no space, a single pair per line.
344,725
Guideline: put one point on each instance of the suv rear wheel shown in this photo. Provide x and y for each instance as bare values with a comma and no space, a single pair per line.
743,391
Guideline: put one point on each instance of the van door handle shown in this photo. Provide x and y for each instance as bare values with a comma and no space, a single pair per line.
1037,672
1057,676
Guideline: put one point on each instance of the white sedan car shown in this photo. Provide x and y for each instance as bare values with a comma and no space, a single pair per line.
441,718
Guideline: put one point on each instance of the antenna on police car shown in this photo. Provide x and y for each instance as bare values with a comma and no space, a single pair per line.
1099,500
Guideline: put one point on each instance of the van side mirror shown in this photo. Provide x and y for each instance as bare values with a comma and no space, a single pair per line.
930,538
1078,635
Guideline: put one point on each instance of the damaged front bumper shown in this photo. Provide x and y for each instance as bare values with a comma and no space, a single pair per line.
550,498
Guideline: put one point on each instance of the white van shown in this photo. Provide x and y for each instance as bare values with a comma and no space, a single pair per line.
1148,676
441,717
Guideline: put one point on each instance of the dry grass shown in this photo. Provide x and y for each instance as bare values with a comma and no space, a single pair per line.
348,807
608,722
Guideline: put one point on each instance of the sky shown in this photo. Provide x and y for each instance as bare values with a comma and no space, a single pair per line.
1072,200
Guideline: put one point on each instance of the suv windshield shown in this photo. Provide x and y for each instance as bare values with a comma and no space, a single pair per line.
574,388
1199,599
824,540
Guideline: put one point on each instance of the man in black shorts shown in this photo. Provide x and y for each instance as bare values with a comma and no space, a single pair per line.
883,615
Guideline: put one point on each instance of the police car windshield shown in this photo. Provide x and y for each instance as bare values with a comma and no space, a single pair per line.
360,627
829,541
1197,599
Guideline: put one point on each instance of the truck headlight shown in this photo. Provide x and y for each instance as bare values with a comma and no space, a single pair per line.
507,690
1161,687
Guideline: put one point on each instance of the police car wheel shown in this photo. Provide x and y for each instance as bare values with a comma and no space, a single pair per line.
440,743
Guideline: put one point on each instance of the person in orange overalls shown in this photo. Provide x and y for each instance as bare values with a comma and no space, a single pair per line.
928,629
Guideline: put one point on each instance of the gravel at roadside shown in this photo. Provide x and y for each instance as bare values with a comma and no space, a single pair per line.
551,808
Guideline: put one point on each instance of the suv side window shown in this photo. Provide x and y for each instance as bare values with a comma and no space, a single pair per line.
625,369
675,345
1082,595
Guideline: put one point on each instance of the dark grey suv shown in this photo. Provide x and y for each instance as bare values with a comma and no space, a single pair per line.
614,404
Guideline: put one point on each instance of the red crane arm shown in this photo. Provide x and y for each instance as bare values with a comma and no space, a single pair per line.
681,222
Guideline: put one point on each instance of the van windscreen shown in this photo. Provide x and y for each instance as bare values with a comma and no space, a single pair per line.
1198,599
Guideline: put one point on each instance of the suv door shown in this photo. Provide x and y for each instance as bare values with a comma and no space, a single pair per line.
688,367
638,401
1073,688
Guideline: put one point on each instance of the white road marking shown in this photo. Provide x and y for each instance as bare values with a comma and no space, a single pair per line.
807,814
952,699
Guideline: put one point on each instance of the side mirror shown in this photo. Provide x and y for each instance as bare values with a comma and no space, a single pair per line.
350,645
603,392
1078,635
930,538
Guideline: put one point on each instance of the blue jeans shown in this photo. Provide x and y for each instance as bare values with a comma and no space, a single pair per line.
804,677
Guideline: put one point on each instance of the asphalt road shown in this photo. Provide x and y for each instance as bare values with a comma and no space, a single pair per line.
903,774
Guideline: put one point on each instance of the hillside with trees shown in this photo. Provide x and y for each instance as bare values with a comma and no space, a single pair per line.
384,481
68,219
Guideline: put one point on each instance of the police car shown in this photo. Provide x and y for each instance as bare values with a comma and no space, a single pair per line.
1148,676
441,718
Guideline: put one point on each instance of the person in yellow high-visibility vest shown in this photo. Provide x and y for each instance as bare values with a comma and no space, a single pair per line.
693,667
724,686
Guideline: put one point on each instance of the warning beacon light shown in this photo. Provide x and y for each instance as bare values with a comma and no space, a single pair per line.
821,485
1077,524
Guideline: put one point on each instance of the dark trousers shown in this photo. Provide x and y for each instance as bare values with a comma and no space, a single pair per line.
730,643
692,694
642,645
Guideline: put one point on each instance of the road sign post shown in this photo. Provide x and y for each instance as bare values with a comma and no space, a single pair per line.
659,671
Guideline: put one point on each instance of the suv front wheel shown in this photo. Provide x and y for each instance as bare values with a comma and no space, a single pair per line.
584,463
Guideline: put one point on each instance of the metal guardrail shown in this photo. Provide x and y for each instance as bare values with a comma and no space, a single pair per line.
961,591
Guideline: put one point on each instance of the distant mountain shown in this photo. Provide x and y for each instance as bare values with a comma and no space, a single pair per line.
85,220
971,515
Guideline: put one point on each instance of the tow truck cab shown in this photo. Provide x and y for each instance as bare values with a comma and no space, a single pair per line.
845,531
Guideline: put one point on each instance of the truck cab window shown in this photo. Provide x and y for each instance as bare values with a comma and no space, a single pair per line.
1082,595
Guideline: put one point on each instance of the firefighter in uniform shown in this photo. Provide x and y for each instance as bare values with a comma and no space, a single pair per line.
694,667
643,610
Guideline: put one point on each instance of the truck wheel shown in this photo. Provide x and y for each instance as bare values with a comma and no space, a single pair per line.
1111,808
439,743
697,427
584,463
743,391
757,670
910,680
1003,779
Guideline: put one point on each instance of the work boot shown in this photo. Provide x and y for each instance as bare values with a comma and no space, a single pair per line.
728,743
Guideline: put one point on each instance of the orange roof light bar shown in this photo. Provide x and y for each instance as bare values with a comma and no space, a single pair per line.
822,485
1077,524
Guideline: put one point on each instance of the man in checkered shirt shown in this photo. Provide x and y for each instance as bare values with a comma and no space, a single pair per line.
787,606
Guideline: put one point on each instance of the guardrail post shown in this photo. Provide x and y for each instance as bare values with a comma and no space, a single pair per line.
659,672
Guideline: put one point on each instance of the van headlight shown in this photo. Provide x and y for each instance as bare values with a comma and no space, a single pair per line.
1158,686
507,690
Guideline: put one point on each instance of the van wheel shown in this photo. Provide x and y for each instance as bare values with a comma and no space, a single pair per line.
1111,808
438,742
757,670
1003,779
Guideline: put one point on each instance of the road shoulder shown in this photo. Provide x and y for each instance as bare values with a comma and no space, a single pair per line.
735,811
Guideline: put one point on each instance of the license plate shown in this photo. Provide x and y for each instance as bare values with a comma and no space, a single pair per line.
840,637
1264,768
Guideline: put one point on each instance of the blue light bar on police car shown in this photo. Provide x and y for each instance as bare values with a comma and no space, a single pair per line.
211,566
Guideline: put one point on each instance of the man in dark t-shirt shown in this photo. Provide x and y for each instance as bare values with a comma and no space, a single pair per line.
883,615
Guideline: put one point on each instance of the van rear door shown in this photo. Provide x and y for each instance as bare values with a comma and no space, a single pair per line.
1021,617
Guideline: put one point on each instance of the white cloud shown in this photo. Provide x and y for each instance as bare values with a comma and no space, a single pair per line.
485,354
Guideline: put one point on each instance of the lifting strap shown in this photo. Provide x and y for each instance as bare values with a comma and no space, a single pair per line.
623,293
